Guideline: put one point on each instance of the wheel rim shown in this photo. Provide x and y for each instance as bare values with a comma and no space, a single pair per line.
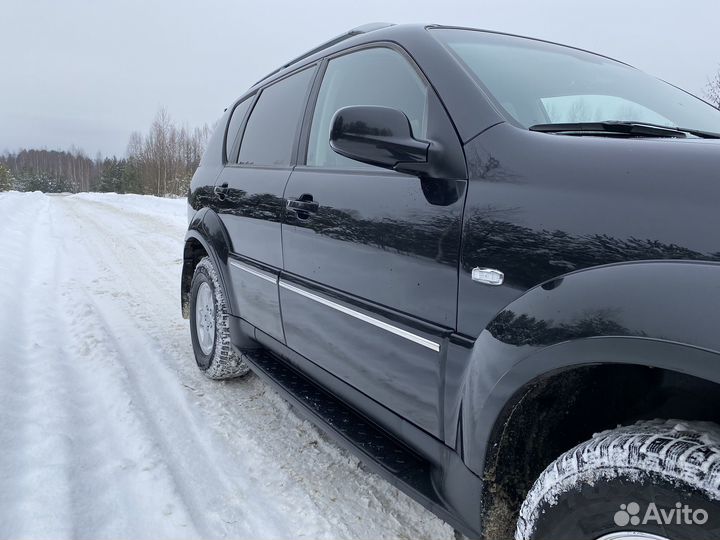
205,318
632,535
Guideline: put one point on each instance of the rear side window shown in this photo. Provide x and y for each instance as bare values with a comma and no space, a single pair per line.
378,76
273,125
233,131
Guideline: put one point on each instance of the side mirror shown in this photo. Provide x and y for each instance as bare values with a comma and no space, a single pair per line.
379,136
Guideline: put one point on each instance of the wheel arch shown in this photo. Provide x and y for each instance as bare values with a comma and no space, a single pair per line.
553,410
612,329
206,235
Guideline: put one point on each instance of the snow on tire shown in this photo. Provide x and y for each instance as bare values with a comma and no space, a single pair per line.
210,325
653,479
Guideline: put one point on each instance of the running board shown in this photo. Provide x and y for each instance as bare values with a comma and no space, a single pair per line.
378,450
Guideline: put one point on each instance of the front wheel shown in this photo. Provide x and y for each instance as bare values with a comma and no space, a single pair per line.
210,326
655,480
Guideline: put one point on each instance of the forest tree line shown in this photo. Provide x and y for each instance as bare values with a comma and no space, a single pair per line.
160,162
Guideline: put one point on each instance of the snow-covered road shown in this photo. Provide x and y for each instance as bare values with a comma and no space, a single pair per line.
108,430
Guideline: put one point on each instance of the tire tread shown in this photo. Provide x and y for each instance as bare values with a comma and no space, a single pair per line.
684,453
225,362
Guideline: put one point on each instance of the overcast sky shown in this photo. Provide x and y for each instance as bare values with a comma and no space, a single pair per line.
88,72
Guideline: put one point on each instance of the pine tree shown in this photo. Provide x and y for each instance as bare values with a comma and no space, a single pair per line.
111,177
6,179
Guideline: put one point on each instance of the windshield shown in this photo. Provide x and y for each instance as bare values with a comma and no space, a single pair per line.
541,83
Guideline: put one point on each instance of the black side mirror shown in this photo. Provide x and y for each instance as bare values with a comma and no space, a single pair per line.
379,136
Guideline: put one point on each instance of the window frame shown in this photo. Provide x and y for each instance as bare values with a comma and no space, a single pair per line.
304,142
256,95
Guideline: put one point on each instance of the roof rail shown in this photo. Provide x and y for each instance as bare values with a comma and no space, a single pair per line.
364,29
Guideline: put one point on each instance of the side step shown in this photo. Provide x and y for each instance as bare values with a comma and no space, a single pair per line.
377,449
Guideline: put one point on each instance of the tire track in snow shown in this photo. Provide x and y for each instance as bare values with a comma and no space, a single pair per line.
51,403
222,459
155,388
357,504
31,439
117,457
69,481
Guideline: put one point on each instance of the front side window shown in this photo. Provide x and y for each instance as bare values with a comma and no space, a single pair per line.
378,76
537,83
274,122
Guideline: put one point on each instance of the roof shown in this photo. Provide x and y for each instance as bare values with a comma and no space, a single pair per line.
358,30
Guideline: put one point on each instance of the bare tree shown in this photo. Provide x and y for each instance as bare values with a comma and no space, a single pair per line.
161,162
165,159
712,90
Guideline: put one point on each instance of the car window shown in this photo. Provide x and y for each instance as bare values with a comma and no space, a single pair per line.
538,82
597,108
233,131
272,128
378,76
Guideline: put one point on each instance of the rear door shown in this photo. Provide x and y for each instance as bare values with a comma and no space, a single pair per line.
369,288
261,147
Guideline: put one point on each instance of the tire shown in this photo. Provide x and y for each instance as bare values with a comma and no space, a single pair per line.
621,481
211,338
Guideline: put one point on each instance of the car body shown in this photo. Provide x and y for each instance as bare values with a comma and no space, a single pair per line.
481,311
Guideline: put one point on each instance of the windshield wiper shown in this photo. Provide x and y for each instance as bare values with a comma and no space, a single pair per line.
631,129
700,133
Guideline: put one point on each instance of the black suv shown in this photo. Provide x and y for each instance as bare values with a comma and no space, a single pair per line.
489,265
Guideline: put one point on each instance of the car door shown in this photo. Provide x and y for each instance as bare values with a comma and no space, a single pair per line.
249,194
369,287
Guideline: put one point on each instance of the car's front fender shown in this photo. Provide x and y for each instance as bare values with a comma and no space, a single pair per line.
660,313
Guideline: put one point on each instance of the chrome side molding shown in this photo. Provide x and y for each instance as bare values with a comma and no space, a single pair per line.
433,346
254,271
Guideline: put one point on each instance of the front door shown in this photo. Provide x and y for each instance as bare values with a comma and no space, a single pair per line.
369,287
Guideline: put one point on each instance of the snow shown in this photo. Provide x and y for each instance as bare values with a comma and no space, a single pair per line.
107,428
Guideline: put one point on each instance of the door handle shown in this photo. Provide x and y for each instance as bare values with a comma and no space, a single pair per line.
303,206
221,191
